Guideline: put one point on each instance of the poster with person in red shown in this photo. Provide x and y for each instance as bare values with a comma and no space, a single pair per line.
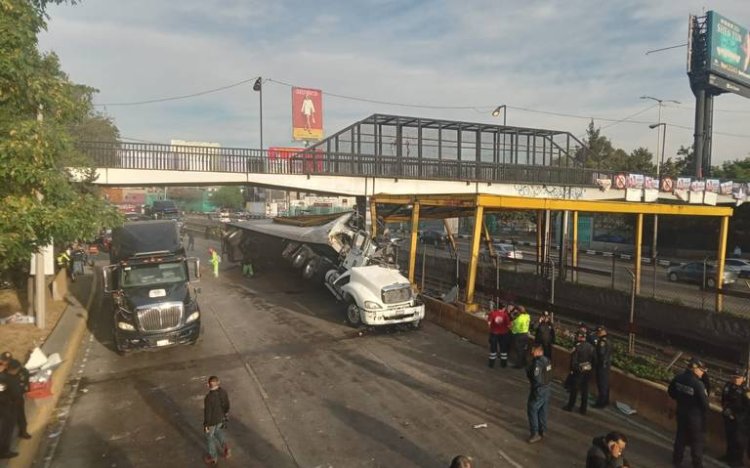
307,114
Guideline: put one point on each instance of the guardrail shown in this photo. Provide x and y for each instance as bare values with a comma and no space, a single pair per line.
245,160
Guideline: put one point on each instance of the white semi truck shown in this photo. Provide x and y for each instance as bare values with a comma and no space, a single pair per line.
333,249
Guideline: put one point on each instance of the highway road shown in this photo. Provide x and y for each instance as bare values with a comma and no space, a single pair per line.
308,391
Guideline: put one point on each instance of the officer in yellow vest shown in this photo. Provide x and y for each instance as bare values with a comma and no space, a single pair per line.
520,332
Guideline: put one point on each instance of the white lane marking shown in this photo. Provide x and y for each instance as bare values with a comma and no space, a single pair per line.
508,459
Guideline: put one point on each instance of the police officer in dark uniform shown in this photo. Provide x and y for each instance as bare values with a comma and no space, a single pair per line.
539,373
582,362
545,334
603,363
692,403
20,377
7,414
735,406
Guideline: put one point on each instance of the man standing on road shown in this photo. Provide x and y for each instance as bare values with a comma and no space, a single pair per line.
499,323
603,363
539,374
191,241
215,415
7,413
520,330
734,405
545,334
20,378
692,404
581,364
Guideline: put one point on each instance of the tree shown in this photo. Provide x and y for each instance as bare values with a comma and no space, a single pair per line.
603,155
737,170
41,199
228,197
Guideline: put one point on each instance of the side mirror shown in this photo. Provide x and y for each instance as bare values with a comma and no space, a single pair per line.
107,274
194,269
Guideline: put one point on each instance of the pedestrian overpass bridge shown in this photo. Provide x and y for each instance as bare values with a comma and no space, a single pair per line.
389,154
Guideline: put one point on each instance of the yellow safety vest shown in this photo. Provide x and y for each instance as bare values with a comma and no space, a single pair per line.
521,324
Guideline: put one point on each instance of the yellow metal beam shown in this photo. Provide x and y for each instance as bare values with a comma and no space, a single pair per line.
413,245
575,245
538,241
474,260
449,233
373,218
637,256
721,258
488,241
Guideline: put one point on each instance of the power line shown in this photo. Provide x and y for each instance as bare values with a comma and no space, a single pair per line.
175,98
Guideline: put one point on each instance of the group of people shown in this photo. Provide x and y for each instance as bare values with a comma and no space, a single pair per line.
14,383
73,259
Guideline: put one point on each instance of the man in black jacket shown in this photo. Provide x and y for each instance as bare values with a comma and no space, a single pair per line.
603,363
545,334
692,404
215,415
606,451
20,378
8,394
735,406
582,362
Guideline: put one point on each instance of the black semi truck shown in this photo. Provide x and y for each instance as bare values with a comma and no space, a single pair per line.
150,279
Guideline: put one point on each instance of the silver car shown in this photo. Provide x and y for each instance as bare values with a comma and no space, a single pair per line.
693,272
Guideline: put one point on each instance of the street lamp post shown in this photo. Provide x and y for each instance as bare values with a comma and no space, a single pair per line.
258,86
495,113
659,163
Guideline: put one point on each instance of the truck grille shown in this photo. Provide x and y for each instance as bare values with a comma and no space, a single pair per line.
160,317
394,296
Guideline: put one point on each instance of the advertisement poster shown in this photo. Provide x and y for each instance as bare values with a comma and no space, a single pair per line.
726,188
307,114
729,49
698,186
683,183
635,181
712,185
651,183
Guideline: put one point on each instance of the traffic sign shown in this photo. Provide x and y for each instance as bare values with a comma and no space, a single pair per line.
667,184
621,181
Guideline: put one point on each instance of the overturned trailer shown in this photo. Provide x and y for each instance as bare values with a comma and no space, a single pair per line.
334,250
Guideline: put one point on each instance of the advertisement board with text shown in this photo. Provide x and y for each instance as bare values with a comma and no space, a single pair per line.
307,114
728,49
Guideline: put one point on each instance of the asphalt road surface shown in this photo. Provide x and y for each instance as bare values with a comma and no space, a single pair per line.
308,391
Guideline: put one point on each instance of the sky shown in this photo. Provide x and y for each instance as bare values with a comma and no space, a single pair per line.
543,58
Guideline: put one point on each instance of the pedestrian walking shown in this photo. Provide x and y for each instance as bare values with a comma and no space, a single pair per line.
520,331
461,461
498,322
215,416
539,374
191,241
735,411
581,365
20,378
7,412
545,334
215,260
247,263
607,451
692,404
601,370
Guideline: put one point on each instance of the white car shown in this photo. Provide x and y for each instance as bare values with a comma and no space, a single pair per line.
508,251
740,265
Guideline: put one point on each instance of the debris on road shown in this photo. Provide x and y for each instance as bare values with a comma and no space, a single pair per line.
480,426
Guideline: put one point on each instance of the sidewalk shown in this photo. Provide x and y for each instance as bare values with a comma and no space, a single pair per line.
65,339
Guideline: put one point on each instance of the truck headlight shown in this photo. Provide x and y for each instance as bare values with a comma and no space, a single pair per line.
193,317
125,326
372,305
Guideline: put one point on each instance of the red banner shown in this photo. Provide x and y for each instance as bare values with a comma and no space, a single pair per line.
307,114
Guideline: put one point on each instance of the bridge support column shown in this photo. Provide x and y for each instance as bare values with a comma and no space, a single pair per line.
637,251
413,243
361,202
476,237
574,246
373,219
721,256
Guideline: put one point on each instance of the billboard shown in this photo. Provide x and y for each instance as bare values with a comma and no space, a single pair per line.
307,114
728,49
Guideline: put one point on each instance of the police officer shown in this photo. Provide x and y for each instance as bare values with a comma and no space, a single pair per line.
20,378
545,334
7,414
582,362
734,404
520,331
498,322
603,363
539,373
692,403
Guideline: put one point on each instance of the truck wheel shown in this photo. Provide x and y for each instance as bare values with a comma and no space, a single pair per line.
417,324
353,316
300,258
311,268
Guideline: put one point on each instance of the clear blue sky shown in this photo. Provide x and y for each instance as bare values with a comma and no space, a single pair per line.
580,57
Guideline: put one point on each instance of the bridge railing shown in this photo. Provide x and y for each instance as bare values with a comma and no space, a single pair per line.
244,160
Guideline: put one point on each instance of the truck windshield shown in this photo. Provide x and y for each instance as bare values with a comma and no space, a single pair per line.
161,273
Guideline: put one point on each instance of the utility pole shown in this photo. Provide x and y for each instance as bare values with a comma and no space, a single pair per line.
40,301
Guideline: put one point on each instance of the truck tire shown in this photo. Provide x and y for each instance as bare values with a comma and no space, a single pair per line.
300,258
353,315
311,268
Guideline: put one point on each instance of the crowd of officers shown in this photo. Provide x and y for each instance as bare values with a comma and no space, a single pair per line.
511,333
14,382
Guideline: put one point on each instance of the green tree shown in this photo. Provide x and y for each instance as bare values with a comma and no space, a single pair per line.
738,170
35,154
228,197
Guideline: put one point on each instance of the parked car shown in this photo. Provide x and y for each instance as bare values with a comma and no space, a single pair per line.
741,265
502,250
693,273
435,238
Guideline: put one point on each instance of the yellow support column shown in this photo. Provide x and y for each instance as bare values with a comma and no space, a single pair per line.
413,245
476,237
575,245
539,268
637,256
721,258
373,219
